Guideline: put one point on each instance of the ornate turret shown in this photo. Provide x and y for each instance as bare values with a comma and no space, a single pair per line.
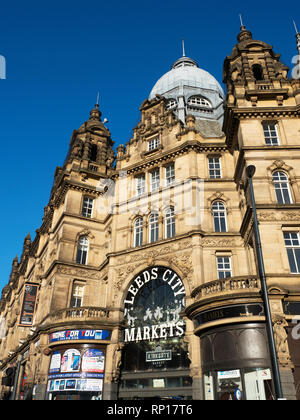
255,79
91,145
253,63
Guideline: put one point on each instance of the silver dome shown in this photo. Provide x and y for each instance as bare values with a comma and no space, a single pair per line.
190,90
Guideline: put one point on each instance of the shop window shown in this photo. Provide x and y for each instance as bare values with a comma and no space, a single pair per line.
209,387
282,188
239,384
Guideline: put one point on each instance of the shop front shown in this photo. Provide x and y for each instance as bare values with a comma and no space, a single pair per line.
235,360
235,363
155,361
77,364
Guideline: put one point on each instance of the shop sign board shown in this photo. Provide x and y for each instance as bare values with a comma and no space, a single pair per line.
158,356
229,374
73,335
228,312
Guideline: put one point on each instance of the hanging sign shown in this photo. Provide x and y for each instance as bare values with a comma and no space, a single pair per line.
28,306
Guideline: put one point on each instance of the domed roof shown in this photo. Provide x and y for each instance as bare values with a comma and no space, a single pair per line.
190,90
185,72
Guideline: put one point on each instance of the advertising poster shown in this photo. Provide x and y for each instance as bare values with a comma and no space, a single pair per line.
28,306
55,362
70,361
93,361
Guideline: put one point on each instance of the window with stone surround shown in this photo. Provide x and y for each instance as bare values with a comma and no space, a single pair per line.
271,134
282,188
82,250
214,167
153,227
77,295
219,216
292,244
138,232
224,267
87,207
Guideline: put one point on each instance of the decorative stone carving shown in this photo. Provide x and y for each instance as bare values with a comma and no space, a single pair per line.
171,254
280,336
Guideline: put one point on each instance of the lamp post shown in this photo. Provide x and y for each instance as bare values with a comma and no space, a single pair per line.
250,171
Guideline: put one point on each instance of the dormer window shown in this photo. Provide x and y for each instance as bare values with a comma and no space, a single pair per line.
153,143
199,101
171,104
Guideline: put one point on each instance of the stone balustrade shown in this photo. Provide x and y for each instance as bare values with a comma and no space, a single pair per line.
227,285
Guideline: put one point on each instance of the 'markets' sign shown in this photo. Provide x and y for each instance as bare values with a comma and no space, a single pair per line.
153,305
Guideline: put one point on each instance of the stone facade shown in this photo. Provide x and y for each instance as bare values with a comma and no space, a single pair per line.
83,260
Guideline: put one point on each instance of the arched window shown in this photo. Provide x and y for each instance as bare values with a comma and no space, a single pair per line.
153,228
138,232
82,250
199,101
282,188
169,223
257,72
219,215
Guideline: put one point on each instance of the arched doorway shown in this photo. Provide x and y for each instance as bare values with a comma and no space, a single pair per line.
155,361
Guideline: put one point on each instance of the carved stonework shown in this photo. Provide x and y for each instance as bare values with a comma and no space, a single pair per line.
270,216
174,254
81,272
280,335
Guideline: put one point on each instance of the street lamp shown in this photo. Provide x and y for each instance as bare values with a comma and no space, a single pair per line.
250,171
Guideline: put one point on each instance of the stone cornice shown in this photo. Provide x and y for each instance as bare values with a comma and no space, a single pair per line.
171,154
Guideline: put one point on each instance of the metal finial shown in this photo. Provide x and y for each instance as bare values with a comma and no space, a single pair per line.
242,23
97,103
295,27
297,37
183,51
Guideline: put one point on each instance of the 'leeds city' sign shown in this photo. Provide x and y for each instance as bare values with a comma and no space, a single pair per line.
154,302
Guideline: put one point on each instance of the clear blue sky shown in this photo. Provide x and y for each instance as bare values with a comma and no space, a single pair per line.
60,53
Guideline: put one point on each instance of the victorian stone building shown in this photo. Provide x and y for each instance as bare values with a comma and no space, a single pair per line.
142,280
